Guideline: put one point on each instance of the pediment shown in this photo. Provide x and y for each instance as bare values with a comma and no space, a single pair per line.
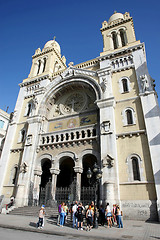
71,71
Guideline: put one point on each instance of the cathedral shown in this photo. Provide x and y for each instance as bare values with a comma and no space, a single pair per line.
69,120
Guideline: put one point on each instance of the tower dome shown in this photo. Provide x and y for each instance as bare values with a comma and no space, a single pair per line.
53,43
115,16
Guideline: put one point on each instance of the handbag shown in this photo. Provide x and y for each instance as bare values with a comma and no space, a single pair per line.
76,214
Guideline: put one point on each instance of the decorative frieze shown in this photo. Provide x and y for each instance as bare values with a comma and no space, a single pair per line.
130,134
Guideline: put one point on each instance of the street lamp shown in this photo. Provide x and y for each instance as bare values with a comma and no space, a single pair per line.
94,178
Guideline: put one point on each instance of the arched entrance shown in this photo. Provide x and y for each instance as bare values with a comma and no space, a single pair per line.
66,181
45,186
87,189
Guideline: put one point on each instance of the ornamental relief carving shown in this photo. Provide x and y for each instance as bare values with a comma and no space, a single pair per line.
74,102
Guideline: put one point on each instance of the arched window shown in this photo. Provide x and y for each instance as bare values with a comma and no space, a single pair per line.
23,134
135,167
114,38
129,116
123,37
125,85
44,64
39,65
29,109
15,171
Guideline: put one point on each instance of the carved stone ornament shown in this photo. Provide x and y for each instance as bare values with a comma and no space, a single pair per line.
105,127
104,84
29,140
35,102
23,168
108,161
144,83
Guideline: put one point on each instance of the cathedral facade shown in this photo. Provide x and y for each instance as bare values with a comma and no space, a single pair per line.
66,119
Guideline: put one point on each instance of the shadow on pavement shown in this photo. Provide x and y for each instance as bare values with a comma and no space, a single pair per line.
33,224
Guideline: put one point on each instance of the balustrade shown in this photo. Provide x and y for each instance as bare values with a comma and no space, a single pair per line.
68,136
122,62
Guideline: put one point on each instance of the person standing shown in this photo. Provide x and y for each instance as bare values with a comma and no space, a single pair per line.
62,215
119,218
101,215
109,215
80,216
114,214
74,211
89,217
40,223
66,213
59,212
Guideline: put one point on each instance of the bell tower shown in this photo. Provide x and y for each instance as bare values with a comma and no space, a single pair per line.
47,61
118,32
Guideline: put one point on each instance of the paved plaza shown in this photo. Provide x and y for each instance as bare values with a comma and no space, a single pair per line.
132,229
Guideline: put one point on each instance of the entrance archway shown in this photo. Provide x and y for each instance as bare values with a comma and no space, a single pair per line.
88,162
87,189
66,175
45,186
66,181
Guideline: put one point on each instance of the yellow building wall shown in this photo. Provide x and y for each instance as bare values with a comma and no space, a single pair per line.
138,192
15,159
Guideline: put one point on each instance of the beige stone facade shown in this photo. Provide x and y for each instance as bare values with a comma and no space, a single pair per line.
101,111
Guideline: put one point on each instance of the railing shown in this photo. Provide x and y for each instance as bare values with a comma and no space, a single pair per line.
66,136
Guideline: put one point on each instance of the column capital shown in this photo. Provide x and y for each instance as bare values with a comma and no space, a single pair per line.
78,169
108,102
38,172
54,171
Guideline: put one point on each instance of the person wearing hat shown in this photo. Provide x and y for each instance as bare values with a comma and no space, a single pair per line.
40,223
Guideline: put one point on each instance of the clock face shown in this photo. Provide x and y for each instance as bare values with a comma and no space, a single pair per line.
74,103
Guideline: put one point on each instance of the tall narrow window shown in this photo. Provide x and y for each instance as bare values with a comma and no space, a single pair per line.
39,65
125,85
129,116
23,134
123,37
44,64
135,166
114,37
15,171
29,109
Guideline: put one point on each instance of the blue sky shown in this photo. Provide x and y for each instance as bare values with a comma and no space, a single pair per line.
26,25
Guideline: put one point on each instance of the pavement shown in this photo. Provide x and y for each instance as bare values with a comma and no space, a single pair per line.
134,230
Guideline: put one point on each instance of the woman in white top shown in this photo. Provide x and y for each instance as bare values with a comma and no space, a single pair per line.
109,215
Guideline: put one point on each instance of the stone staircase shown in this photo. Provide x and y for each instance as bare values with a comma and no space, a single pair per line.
51,213
34,211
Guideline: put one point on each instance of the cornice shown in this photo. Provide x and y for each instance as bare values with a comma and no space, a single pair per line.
121,52
35,80
116,23
130,134
127,99
89,63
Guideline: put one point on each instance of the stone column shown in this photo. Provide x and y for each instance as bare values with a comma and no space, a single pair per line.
108,193
41,67
119,40
78,171
111,42
54,173
36,189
